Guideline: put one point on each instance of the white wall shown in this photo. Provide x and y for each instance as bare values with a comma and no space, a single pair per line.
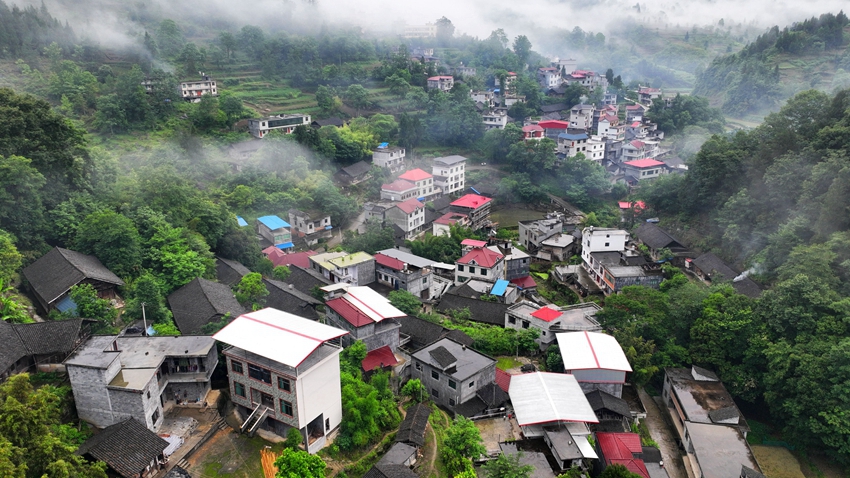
319,392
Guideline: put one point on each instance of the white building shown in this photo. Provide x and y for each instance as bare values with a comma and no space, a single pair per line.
595,149
551,319
423,180
495,119
643,168
283,372
549,77
259,127
596,360
389,157
444,83
409,216
192,90
581,116
480,263
428,30
450,173
570,144
551,399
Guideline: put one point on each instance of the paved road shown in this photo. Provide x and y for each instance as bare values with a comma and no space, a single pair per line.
663,433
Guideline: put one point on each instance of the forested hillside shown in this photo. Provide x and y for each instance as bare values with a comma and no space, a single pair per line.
779,63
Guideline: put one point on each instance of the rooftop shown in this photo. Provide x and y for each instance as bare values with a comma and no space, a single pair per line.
473,243
469,362
592,350
720,451
541,397
704,400
415,175
351,259
573,137
620,448
471,201
410,206
380,357
272,222
481,256
398,185
127,447
54,273
450,160
407,257
644,163
263,331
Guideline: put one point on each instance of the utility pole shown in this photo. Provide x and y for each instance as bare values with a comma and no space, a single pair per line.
144,321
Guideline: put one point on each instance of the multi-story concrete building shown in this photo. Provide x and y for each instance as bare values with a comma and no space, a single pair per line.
283,373
115,378
342,267
517,262
443,83
423,180
533,233
367,316
644,168
310,227
549,77
259,127
570,144
403,271
192,90
495,119
551,319
399,190
480,263
452,373
389,157
450,174
476,208
596,360
275,230
581,116
428,30
408,215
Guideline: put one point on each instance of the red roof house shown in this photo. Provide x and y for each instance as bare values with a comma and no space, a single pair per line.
410,206
620,448
471,201
347,311
380,357
398,185
503,379
415,175
482,257
644,163
473,243
546,314
280,258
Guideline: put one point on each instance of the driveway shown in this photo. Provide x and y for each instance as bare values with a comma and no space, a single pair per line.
664,434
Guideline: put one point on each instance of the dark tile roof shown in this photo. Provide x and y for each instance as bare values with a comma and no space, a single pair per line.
492,395
412,428
421,331
332,121
655,237
200,302
747,287
51,337
127,447
554,108
13,348
460,337
714,267
398,454
357,169
54,273
442,357
284,296
390,471
470,408
229,272
747,472
600,400
304,279
651,454
441,204
482,311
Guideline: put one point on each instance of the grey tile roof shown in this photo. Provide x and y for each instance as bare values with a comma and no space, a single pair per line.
651,454
747,472
655,237
284,296
460,337
229,272
492,395
412,428
442,356
390,471
305,279
54,273
469,361
421,331
127,447
51,337
600,400
482,311
200,302
357,169
398,454
472,407
712,265
13,348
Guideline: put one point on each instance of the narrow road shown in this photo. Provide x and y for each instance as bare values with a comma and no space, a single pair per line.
663,433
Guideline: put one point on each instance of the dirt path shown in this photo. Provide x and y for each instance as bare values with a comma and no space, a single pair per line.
664,435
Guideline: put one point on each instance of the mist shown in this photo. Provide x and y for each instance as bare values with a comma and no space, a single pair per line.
117,24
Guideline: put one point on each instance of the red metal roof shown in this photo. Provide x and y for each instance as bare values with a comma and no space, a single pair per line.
347,311
473,243
531,128
415,175
472,201
638,205
503,380
450,218
380,357
437,78
388,261
634,107
524,282
546,314
482,257
280,258
410,206
619,449
554,124
644,163
398,185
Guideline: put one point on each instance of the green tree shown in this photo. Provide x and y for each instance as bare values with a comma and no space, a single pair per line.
110,116
281,273
462,442
90,306
146,290
170,38
251,290
228,43
10,258
167,327
328,102
405,302
522,48
507,466
617,471
293,438
357,97
112,238
299,464
21,209
414,389
11,309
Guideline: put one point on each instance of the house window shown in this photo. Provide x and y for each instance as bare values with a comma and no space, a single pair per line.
149,394
451,402
453,384
607,244
239,389
472,384
155,416
284,384
484,272
471,270
435,375
512,320
424,280
460,267
435,393
236,366
525,324
418,366
286,408
259,373
327,424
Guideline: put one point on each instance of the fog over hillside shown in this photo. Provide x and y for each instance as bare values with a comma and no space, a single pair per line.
108,21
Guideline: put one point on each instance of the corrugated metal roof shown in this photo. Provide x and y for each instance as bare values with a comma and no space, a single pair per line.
241,221
542,397
273,222
592,350
500,287
277,335
371,303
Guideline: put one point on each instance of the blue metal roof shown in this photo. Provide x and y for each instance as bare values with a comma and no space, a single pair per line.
573,136
273,222
383,145
242,222
285,245
500,287
66,305
327,228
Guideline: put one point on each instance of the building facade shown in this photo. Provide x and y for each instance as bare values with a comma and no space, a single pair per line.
450,174
259,127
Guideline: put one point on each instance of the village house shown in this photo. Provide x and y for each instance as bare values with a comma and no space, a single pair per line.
647,94
286,123
404,271
409,216
495,119
614,413
52,275
644,168
192,90
442,225
553,407
424,182
621,449
281,258
483,311
230,272
636,150
114,378
275,230
462,70
389,157
656,239
449,174
278,388
201,302
532,132
709,424
564,64
480,263
399,190
532,233
517,262
128,448
710,268
428,30
334,121
559,247
442,83
609,127
341,267
355,173
610,265
476,208
554,128
595,359
510,78
549,77
587,79
551,319
366,315
635,112
285,297
310,227
570,144
453,374
39,346
485,97
581,116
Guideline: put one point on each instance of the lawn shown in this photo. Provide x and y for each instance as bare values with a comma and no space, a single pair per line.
505,363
